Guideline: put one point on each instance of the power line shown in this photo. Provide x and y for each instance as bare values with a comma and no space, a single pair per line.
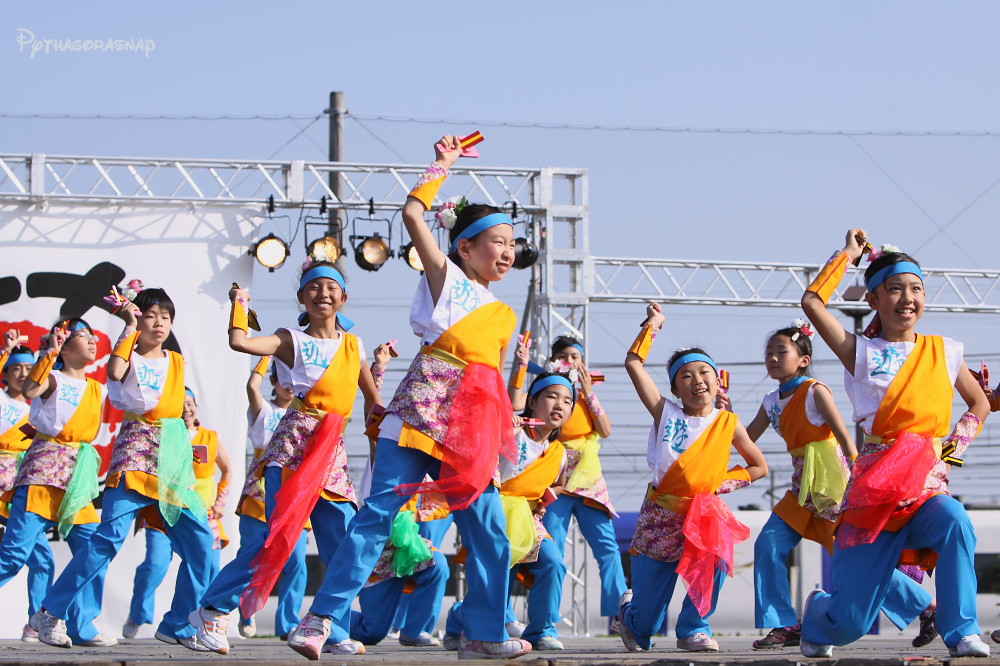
601,127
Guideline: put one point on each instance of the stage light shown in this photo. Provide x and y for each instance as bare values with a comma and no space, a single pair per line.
372,252
525,254
408,253
328,247
270,251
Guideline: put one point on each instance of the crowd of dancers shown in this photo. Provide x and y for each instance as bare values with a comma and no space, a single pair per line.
509,465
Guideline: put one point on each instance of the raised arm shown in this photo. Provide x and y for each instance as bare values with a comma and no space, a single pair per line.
253,386
828,410
118,362
421,200
239,335
635,360
40,381
818,294
515,388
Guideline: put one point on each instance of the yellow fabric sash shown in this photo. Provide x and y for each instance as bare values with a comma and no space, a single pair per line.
478,337
15,440
86,420
338,386
920,396
520,526
702,467
588,469
539,475
171,403
204,472
824,476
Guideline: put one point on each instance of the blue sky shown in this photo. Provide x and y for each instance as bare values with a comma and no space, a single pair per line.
886,66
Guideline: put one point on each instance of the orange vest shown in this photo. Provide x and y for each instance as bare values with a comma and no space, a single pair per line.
338,386
579,424
539,475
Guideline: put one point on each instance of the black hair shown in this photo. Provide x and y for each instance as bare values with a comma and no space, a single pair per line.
20,349
336,265
683,352
801,342
148,298
68,323
887,259
561,343
470,214
526,413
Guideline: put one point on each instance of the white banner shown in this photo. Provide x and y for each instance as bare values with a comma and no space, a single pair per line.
61,261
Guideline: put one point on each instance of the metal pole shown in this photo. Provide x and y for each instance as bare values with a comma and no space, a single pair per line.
337,111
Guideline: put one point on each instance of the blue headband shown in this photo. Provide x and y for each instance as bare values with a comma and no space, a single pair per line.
322,272
895,269
481,225
190,393
580,347
690,358
551,380
20,357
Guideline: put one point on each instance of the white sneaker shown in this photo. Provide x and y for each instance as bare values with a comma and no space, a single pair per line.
51,629
100,640
309,638
130,628
29,635
628,639
970,646
346,646
423,639
699,642
511,649
813,649
212,627
192,643
549,643
248,630
515,629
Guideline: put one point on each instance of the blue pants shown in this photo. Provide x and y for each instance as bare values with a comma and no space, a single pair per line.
149,575
482,526
41,565
292,587
904,600
866,570
25,531
652,586
599,531
329,521
545,595
379,602
435,530
191,537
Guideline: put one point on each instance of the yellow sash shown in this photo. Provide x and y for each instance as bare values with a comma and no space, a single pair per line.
579,424
171,403
204,472
86,420
702,467
14,439
539,475
478,337
919,398
338,386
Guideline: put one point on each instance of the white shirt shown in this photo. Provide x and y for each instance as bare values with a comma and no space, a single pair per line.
528,451
312,358
459,297
672,436
50,415
876,364
11,411
774,406
143,386
262,428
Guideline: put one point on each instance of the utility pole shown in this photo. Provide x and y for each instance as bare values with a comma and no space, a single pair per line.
337,111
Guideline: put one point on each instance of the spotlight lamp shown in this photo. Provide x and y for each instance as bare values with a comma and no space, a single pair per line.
525,254
270,251
408,253
327,247
372,252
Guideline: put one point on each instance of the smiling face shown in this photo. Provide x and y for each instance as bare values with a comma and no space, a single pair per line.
553,405
899,302
696,384
570,355
154,325
783,358
322,297
190,413
489,255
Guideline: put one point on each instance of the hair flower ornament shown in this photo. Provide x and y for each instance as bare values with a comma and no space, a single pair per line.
119,296
880,251
448,213
804,329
